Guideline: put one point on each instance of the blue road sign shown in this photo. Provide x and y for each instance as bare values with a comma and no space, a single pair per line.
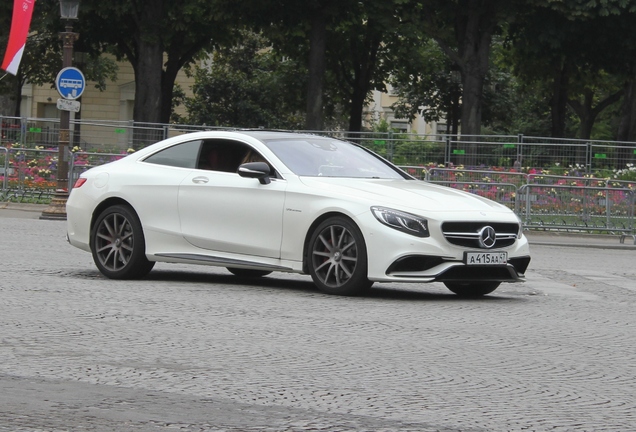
70,83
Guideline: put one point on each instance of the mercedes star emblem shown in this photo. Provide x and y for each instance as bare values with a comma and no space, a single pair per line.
487,237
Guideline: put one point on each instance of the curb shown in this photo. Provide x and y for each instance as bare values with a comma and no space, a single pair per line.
22,206
594,241
619,246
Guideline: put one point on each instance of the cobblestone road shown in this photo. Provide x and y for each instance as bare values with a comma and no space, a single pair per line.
196,349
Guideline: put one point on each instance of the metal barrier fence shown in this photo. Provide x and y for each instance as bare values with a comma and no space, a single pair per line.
510,169
475,152
581,204
581,208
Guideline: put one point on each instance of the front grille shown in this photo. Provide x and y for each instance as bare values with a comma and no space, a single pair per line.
466,234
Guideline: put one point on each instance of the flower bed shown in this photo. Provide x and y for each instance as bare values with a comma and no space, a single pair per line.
29,175
563,196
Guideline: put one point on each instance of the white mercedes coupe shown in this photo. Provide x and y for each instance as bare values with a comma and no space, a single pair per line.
258,202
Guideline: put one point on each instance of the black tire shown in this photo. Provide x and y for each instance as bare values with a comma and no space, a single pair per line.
118,244
337,258
248,273
472,289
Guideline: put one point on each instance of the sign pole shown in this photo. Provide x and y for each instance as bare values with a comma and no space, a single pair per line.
57,208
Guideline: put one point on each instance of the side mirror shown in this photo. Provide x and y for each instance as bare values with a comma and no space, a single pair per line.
257,170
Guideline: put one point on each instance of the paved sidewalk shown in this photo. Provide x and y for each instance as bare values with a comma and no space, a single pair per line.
545,238
22,211
552,238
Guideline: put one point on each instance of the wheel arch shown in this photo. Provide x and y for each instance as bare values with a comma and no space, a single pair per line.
122,234
109,202
313,226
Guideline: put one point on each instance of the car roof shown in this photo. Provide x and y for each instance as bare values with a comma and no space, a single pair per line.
257,134
270,134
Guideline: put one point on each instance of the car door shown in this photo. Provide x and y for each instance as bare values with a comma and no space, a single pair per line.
152,186
222,211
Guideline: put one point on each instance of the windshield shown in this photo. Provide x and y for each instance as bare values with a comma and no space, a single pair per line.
323,157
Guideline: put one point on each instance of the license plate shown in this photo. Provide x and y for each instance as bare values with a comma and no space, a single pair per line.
486,258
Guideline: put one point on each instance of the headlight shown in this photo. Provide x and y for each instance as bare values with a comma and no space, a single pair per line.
520,232
405,222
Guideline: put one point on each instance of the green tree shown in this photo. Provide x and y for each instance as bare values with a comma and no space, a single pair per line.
158,38
593,95
299,30
426,84
362,51
573,52
464,30
248,85
341,43
510,106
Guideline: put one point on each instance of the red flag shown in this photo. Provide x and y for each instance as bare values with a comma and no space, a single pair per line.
22,12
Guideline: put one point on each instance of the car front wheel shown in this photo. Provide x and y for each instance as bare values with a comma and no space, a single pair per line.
473,289
337,257
118,244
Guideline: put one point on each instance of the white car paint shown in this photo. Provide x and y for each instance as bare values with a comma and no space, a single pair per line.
205,217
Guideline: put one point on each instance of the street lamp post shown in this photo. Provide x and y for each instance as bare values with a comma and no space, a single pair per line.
57,209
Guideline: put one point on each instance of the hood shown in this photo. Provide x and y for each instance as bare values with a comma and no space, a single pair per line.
416,195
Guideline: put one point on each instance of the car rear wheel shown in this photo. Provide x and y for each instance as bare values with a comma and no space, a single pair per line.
248,273
118,244
473,289
337,258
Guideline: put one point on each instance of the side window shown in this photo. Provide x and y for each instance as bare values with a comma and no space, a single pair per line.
182,155
224,155
252,156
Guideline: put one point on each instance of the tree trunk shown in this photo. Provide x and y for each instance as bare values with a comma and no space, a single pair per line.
453,114
148,84
474,27
168,79
317,61
17,93
148,69
476,53
362,81
473,83
558,103
177,57
587,112
17,99
148,93
355,110
627,125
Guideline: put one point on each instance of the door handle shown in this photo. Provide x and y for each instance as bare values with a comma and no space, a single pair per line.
200,180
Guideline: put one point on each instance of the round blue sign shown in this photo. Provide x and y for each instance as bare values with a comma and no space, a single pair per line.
70,83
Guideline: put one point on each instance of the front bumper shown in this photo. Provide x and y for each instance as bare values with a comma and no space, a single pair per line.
397,257
436,269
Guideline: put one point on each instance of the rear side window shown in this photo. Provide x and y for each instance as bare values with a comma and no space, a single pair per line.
182,155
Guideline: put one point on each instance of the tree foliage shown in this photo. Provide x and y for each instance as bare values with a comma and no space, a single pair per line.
566,63
362,53
464,30
580,50
427,84
248,85
158,38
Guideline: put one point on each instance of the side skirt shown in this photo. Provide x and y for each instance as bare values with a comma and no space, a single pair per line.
222,262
